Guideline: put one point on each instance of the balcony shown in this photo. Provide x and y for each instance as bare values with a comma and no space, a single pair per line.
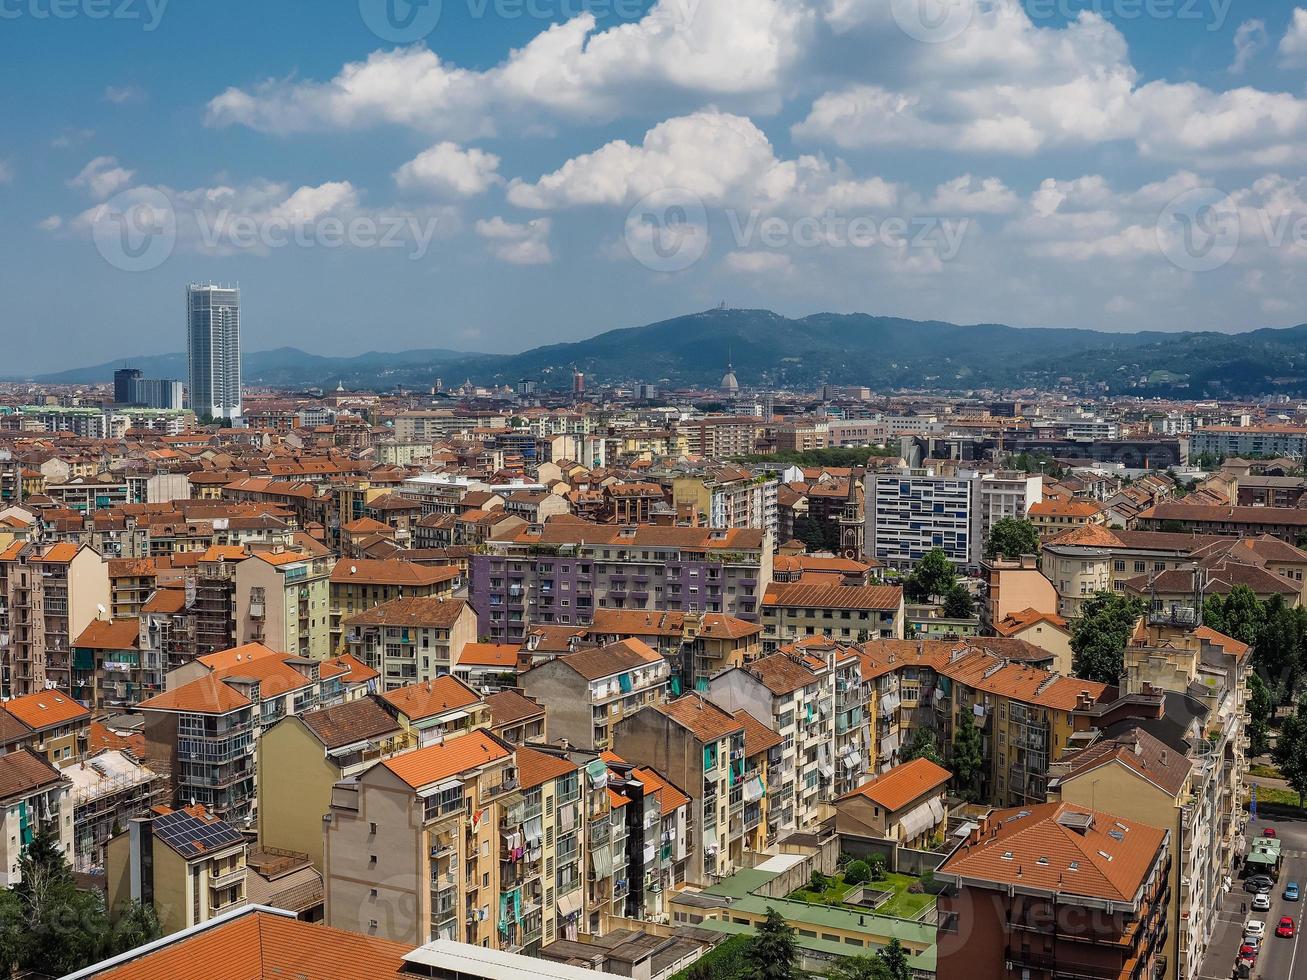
225,879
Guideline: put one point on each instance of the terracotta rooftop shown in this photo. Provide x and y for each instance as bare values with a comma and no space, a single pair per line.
1062,847
458,755
1017,622
24,772
110,634
45,709
1138,751
206,696
510,707
503,655
537,768
256,945
369,571
614,658
822,596
669,796
353,721
897,787
432,697
439,612
757,736
703,719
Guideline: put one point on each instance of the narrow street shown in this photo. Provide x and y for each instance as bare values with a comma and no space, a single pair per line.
1279,958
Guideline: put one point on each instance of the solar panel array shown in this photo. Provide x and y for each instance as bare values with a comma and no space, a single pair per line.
183,832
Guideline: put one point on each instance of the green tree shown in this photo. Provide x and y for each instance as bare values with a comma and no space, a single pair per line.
136,925
1012,537
967,760
860,968
876,864
857,873
1290,753
1260,707
895,959
924,746
933,576
959,603
1099,635
774,952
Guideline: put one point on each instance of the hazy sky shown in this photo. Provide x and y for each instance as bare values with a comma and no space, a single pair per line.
496,174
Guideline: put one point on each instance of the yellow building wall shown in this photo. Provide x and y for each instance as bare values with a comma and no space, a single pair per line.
293,782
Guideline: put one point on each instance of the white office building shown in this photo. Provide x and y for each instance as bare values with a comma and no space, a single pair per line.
213,321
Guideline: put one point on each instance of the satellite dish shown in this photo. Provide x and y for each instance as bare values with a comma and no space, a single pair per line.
100,607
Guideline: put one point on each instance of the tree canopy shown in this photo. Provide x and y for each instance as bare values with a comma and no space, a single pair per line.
934,575
1100,633
1012,537
966,760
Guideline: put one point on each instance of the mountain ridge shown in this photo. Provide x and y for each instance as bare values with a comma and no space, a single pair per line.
771,350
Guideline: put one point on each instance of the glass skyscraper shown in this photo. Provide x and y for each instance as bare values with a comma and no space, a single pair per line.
213,322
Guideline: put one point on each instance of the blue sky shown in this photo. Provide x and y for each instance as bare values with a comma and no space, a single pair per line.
523,173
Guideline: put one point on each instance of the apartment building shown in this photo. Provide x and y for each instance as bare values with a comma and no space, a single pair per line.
358,584
436,709
590,691
1055,889
108,790
1285,523
560,572
202,733
914,512
696,645
301,757
283,599
794,610
1054,517
907,804
516,718
413,845
763,752
728,497
1249,441
1026,715
700,748
188,865
817,703
719,436
49,593
35,796
50,723
1135,775
411,639
112,669
655,816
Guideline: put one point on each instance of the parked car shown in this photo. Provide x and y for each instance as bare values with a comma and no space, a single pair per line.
1255,927
1258,883
1285,929
1247,952
1291,892
1262,902
1268,832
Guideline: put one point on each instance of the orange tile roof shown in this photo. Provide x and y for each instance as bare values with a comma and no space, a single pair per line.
704,719
433,763
281,557
263,946
669,797
611,659
1016,622
821,596
757,736
489,655
243,654
373,571
59,554
1037,846
537,768
45,709
1065,508
205,696
899,786
433,697
348,668
165,601
110,634
225,552
428,610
